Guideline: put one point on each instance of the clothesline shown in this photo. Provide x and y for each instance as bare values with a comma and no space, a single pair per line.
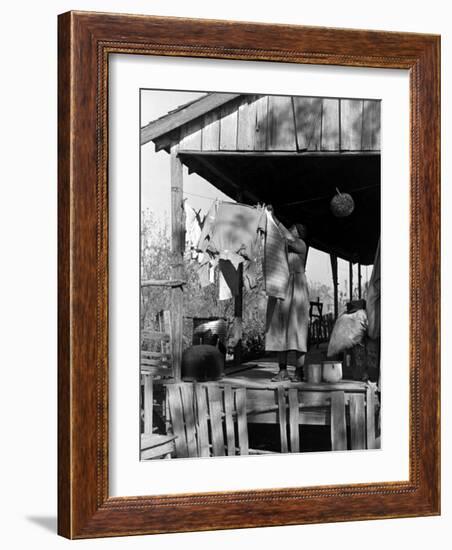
200,196
313,199
229,201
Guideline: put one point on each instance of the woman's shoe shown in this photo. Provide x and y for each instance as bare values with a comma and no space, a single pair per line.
297,376
282,376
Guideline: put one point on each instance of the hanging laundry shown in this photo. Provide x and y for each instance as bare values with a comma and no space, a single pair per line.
204,274
193,227
207,228
250,274
231,231
230,235
212,273
206,269
230,275
224,292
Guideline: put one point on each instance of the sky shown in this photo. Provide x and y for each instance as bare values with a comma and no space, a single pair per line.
155,188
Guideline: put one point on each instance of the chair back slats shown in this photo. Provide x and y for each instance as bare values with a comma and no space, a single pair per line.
202,419
146,362
229,421
242,426
155,371
156,353
177,419
294,423
338,422
164,357
282,415
151,335
216,424
371,403
357,421
189,419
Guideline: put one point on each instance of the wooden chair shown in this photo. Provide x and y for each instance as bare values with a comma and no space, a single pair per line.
208,419
153,445
156,352
316,322
156,360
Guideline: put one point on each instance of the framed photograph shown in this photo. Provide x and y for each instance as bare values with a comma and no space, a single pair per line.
248,286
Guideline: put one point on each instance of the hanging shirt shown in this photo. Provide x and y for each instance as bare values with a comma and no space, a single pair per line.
231,231
193,224
230,235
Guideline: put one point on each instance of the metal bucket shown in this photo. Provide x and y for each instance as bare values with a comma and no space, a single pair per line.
314,373
332,371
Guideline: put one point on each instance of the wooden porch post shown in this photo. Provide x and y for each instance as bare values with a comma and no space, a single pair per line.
333,258
238,304
177,249
238,314
350,279
359,282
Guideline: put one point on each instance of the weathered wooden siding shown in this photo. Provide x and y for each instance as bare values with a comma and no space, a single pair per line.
308,114
285,123
281,124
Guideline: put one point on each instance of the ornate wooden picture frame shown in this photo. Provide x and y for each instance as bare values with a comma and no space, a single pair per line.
86,40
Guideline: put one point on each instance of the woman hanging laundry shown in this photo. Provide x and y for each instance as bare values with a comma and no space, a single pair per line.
288,319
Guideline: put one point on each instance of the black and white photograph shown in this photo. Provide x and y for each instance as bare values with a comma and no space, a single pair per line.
260,274
222,260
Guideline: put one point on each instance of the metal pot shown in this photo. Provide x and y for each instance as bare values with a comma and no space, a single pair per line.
314,373
202,363
332,371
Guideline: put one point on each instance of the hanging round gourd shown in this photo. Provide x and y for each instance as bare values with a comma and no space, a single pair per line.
342,204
